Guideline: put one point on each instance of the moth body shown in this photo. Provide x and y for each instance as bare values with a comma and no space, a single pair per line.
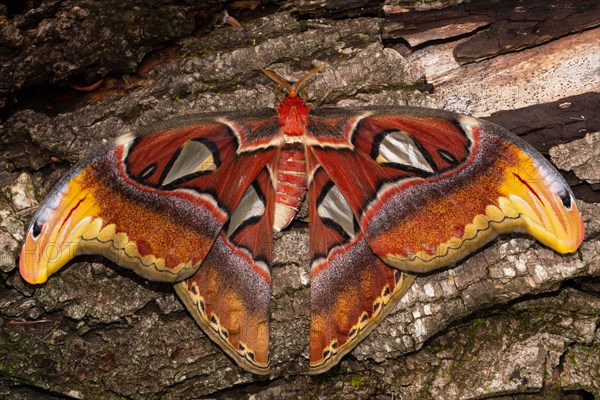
293,115
291,184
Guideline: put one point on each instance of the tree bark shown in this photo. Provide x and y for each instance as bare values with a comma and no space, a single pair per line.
513,320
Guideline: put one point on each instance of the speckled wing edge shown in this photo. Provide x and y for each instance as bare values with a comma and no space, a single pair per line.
229,295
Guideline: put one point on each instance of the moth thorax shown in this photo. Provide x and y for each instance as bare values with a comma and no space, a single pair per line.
293,115
290,185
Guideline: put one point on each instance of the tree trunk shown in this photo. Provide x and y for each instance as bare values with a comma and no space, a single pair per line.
514,320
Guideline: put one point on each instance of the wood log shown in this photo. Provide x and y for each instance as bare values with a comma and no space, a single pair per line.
514,320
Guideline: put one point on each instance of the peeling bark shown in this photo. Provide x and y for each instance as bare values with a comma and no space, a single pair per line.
514,320
586,165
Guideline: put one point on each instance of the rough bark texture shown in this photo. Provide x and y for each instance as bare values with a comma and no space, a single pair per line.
515,320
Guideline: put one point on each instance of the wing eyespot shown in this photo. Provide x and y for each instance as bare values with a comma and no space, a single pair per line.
334,211
398,149
36,229
448,157
566,199
148,171
196,157
249,210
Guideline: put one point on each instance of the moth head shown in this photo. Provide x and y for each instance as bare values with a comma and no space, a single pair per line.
55,233
292,110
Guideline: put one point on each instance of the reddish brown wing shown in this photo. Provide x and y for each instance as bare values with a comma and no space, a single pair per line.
192,201
418,189
229,294
429,187
154,204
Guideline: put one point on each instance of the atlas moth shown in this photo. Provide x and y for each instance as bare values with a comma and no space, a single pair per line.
392,192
